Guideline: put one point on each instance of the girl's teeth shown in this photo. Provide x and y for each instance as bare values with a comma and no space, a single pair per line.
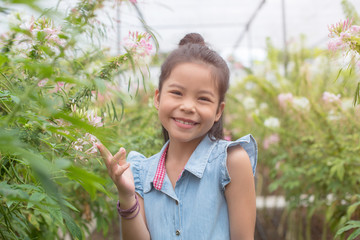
187,123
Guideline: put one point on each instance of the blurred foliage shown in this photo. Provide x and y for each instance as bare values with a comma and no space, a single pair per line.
344,37
350,11
60,92
308,133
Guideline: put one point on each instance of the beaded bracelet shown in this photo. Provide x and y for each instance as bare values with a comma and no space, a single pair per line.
126,213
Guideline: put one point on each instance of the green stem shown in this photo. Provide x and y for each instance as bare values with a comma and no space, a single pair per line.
15,173
5,77
17,106
7,171
6,108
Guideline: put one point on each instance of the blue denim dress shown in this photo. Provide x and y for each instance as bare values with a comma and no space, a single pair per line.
196,208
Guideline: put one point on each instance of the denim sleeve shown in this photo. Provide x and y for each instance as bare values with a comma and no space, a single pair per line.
135,159
249,144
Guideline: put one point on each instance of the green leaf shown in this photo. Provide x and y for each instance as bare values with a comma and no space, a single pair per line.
354,234
349,225
357,94
73,228
36,197
90,182
56,213
273,186
339,169
3,59
10,192
9,203
69,205
352,209
62,163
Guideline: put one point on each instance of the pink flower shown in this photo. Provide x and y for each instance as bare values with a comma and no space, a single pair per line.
330,97
50,31
335,44
78,145
355,29
338,28
43,82
133,1
94,119
100,99
344,35
92,140
58,86
84,142
61,122
138,43
270,140
285,99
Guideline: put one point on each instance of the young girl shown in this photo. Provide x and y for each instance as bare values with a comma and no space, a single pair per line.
198,186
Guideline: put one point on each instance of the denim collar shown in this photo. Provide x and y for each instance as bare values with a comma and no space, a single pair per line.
196,164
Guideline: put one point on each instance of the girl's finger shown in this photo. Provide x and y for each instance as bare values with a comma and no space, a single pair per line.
120,157
105,153
121,169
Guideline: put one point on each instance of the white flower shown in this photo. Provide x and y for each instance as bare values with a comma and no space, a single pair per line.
285,99
330,97
333,116
272,122
239,97
249,103
347,104
301,103
250,86
263,106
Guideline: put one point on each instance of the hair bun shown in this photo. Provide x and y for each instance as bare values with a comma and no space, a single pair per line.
192,38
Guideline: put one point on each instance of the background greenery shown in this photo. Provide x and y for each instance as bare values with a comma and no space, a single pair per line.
309,144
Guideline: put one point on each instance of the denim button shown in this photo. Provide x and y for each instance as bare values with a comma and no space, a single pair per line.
177,232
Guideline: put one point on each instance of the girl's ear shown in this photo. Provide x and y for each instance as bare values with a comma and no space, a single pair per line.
157,99
220,111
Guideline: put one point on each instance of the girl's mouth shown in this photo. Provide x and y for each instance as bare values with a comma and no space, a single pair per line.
185,122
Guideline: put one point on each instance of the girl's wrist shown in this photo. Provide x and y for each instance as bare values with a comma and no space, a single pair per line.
131,212
127,202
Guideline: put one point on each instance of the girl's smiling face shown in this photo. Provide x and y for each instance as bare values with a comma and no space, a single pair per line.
188,104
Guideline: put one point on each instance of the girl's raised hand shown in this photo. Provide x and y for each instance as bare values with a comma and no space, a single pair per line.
119,172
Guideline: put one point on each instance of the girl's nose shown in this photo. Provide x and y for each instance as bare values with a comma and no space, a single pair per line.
187,106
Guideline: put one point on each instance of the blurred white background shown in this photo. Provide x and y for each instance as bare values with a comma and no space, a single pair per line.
238,27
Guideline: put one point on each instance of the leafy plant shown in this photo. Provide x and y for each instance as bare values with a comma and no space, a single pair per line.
59,95
307,130
351,224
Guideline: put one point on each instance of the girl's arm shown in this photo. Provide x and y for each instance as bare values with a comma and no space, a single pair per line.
240,195
135,228
121,175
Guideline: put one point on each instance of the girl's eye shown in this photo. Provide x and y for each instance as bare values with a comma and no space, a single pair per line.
176,93
205,99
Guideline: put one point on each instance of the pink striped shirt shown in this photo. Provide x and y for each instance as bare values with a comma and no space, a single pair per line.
161,171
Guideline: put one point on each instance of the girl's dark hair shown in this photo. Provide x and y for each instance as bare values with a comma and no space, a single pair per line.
192,48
